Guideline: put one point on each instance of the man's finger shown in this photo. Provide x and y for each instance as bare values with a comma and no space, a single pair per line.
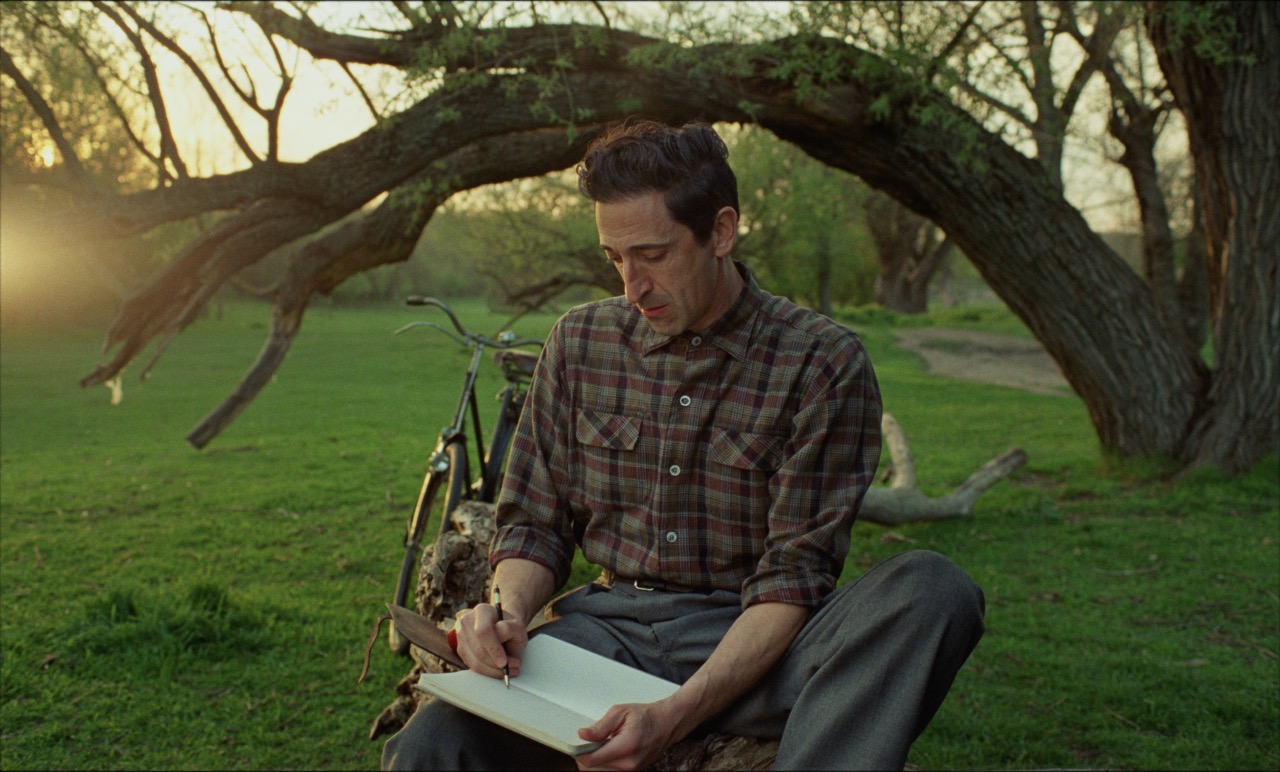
606,727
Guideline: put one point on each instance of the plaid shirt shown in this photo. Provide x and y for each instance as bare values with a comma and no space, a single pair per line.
733,459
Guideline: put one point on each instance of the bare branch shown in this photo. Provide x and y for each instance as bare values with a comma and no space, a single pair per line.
1097,49
168,147
323,44
410,15
200,76
1013,62
96,66
248,97
403,51
373,110
272,114
991,101
931,69
604,17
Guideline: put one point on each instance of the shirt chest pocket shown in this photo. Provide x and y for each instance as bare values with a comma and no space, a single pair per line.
610,471
742,464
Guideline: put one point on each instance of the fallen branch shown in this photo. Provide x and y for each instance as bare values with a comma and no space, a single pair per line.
902,502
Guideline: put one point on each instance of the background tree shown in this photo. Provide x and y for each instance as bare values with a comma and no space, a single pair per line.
501,92
801,229
536,241
911,250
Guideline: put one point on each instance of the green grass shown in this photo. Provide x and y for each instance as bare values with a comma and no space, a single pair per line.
167,608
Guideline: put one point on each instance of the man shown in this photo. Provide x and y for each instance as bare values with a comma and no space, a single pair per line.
708,444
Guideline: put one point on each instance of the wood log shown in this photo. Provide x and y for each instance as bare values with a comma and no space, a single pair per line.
902,502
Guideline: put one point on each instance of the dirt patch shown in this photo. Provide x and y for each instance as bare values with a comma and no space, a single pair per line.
986,357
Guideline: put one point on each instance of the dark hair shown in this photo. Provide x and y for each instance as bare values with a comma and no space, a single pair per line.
688,165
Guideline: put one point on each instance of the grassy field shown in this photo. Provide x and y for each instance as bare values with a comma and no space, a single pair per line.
167,608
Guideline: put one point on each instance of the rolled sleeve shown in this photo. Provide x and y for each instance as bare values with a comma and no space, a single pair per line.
532,518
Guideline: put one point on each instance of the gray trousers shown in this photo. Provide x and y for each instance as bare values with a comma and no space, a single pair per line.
858,684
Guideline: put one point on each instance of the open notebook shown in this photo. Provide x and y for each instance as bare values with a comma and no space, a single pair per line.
561,689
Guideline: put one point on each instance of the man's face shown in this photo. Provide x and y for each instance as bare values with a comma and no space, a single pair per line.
677,283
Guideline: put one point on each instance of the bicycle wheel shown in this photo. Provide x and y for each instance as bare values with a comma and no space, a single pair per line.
454,481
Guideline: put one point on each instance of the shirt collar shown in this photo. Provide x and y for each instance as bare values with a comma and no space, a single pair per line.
731,332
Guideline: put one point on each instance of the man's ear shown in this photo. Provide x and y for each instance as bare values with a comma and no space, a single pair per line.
724,233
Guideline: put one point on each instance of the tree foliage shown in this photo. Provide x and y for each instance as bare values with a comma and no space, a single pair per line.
802,224
908,97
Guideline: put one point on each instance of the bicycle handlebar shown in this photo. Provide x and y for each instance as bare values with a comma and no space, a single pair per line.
505,339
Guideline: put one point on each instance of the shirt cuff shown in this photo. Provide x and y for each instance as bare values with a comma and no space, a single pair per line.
807,588
528,543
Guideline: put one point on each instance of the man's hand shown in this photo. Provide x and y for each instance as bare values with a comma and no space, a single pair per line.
486,644
633,736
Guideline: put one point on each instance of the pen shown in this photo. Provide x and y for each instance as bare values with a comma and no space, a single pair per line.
497,601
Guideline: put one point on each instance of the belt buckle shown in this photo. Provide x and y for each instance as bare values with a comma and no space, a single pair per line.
643,587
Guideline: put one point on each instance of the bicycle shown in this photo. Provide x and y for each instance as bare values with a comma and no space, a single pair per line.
448,466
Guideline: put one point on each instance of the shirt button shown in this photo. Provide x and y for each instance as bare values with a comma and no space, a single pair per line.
696,340
671,537
674,470
685,401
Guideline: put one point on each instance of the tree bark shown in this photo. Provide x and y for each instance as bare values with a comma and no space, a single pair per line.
1235,141
1193,295
1138,136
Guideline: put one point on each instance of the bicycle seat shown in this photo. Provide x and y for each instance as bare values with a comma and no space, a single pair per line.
515,361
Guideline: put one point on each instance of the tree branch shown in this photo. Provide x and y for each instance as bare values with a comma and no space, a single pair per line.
200,76
902,501
364,95
528,44
50,121
95,68
386,235
956,37
168,147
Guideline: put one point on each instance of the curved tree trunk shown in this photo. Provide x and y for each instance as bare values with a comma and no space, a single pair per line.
1145,392
1095,317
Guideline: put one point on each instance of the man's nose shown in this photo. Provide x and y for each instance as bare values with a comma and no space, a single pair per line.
635,281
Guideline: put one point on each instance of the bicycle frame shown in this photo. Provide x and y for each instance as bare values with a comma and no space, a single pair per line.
450,459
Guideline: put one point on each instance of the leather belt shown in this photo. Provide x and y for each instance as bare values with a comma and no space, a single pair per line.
609,579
